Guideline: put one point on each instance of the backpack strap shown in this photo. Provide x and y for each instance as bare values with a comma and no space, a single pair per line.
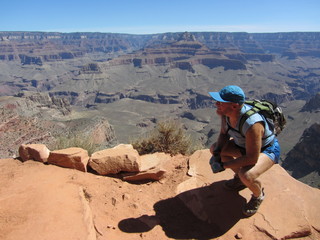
229,127
246,115
244,118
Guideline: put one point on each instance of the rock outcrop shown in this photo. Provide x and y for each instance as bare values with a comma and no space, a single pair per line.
38,118
45,100
122,160
313,104
114,160
153,167
303,161
185,204
75,158
130,78
37,152
21,124
31,205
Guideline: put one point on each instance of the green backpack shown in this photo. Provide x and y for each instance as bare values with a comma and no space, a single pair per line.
273,114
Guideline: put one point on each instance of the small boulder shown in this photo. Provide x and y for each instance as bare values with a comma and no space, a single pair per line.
122,158
154,160
75,158
152,168
155,174
37,152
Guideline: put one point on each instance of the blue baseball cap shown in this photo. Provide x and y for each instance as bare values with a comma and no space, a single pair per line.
229,93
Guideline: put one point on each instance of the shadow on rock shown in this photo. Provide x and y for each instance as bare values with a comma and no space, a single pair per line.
201,213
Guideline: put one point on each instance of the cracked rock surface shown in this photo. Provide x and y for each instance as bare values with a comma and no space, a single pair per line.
40,201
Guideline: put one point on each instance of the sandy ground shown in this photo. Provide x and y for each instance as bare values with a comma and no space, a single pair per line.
36,199
40,201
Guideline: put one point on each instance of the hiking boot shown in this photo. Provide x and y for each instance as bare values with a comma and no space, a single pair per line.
234,184
252,206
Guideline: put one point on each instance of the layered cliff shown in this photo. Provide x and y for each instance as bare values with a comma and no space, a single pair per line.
95,58
41,118
135,80
32,47
303,161
313,104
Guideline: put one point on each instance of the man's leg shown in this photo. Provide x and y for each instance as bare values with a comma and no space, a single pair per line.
229,152
249,175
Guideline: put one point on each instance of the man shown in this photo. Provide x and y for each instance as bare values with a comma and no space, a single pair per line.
249,151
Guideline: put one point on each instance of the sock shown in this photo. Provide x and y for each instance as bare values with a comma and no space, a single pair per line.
261,197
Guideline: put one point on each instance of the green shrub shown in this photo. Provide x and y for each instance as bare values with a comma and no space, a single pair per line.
74,140
168,137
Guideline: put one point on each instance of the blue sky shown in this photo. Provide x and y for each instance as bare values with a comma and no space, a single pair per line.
149,16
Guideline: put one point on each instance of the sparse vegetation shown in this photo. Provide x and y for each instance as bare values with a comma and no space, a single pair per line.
168,137
75,140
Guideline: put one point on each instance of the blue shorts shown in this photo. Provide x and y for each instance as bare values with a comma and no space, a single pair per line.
273,151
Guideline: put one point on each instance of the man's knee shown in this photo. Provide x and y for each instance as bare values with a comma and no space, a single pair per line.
246,175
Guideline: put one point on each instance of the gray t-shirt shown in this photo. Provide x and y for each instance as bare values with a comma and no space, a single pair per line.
239,139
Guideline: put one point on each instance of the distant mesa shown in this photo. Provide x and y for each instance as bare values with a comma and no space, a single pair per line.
183,53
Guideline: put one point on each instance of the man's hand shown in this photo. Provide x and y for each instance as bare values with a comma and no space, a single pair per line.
216,164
